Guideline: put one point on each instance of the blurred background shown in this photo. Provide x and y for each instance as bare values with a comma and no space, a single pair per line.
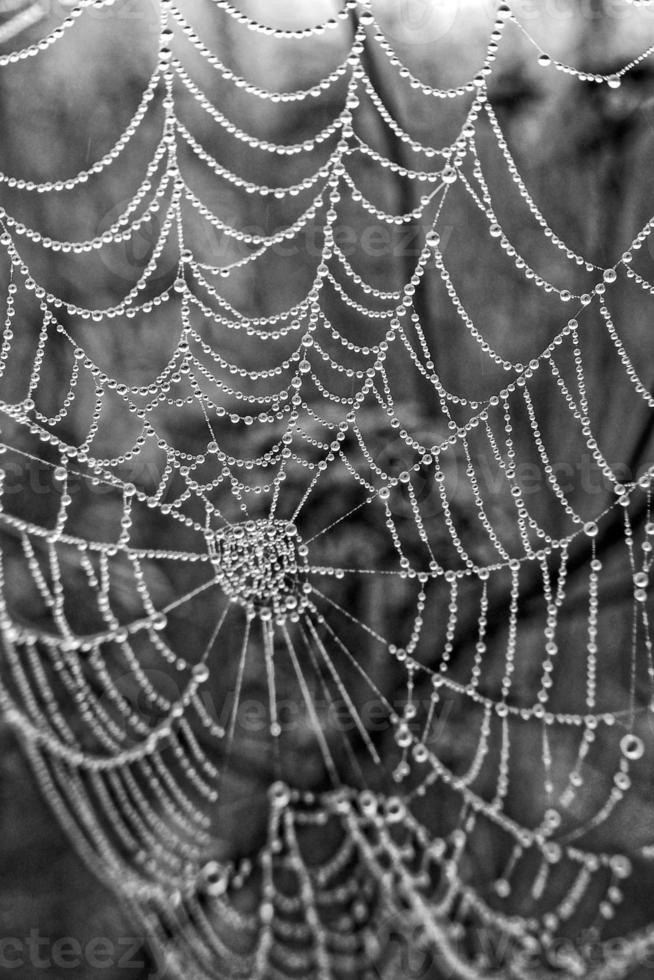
583,150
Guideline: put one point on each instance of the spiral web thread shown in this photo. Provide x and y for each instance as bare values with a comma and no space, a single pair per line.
391,826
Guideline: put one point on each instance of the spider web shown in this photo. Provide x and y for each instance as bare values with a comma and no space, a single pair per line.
299,659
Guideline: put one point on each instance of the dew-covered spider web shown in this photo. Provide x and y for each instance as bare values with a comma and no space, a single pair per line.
324,603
